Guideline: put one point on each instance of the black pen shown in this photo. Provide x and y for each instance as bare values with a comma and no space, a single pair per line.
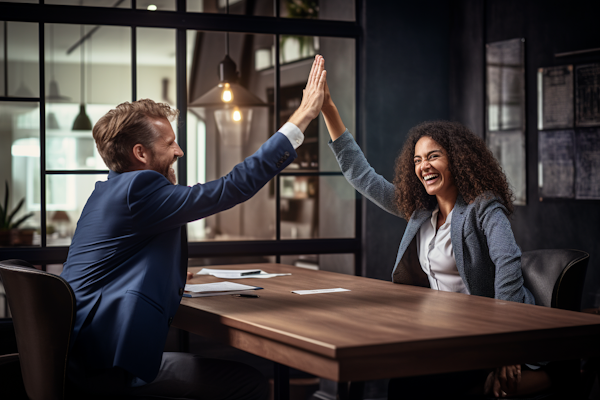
252,296
250,273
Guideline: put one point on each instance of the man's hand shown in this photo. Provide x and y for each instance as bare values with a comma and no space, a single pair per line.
504,381
312,95
189,276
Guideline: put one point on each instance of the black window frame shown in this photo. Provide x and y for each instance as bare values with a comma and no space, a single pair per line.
182,21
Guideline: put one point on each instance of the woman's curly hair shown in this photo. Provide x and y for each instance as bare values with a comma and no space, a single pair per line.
475,170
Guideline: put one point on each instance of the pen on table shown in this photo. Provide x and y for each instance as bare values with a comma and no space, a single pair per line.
252,296
250,273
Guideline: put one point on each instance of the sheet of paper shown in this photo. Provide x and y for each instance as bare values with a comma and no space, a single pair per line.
217,287
209,294
317,291
237,273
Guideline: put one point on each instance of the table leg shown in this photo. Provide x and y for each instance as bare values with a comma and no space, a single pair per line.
356,390
282,382
184,341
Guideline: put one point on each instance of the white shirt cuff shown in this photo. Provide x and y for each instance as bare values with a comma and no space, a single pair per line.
293,133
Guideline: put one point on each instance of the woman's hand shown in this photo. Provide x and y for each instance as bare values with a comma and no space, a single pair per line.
504,381
327,100
334,122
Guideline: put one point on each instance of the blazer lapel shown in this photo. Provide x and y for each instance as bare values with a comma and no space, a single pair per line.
416,220
458,220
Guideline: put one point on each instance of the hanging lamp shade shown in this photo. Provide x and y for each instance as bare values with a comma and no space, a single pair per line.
241,97
54,94
51,121
238,95
82,121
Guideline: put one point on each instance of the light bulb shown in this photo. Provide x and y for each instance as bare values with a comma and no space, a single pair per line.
152,7
227,94
237,115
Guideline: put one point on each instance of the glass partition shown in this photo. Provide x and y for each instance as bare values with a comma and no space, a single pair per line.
339,10
20,172
66,196
84,79
222,134
342,263
262,8
19,59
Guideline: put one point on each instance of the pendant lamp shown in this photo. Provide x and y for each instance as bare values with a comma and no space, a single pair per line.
232,103
54,95
82,121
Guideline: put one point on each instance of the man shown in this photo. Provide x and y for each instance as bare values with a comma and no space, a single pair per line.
128,259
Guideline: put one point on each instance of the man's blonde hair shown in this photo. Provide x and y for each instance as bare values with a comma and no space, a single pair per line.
125,126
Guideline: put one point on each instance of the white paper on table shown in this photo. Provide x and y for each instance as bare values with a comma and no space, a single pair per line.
317,291
237,273
218,287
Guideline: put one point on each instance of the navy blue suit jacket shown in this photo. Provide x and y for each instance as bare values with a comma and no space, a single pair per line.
128,258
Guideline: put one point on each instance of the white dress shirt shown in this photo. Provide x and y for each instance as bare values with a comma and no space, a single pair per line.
293,133
437,257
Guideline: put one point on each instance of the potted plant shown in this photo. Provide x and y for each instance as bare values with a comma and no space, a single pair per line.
9,232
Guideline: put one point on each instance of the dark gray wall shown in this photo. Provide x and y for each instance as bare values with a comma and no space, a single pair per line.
405,82
551,27
548,27
426,61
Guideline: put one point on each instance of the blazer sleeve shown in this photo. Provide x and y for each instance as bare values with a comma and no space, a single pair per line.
158,205
504,252
359,173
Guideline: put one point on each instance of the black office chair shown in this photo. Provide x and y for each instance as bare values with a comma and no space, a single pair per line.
43,310
555,277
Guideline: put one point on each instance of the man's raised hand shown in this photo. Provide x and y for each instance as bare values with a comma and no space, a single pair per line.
312,95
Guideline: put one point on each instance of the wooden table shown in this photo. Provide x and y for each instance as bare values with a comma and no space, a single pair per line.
380,329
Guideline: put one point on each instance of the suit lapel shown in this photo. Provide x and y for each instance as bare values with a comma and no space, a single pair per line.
456,229
416,220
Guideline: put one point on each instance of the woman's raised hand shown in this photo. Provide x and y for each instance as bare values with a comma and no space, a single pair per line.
312,95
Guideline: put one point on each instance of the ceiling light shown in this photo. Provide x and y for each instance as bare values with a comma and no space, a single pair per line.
152,7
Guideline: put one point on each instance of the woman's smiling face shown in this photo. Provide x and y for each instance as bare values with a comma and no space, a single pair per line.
432,168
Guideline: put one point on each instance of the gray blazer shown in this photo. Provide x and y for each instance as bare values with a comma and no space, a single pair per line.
486,253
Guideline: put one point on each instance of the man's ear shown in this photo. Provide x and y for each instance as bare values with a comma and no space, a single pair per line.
141,154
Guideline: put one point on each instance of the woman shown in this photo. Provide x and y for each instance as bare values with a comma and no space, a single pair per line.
452,191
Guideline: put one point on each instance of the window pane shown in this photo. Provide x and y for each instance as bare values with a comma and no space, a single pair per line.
156,5
342,263
316,207
238,7
20,169
297,54
156,74
340,10
19,59
156,65
81,86
217,141
93,3
65,197
229,260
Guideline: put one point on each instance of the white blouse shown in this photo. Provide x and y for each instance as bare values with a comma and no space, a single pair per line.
437,257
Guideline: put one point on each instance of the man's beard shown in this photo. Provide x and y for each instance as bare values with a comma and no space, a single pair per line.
167,171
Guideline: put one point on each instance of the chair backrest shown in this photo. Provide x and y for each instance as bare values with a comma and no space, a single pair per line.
555,277
43,310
